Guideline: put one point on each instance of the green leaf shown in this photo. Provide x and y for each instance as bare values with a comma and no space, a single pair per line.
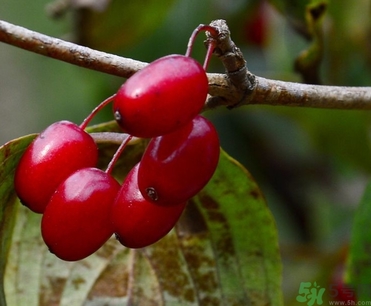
243,236
224,251
358,272
10,154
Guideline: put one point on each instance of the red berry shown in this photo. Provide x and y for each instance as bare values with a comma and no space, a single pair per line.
138,222
76,221
176,166
162,97
56,153
340,291
256,26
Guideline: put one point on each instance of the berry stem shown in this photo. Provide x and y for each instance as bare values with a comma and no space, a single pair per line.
210,49
86,121
117,154
201,27
112,138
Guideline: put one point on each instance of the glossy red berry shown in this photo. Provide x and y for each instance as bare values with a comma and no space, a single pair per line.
162,97
137,222
76,221
176,166
56,153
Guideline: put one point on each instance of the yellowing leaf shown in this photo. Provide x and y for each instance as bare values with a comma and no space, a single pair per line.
243,237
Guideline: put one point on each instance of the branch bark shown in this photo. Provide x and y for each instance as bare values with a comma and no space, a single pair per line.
279,93
236,87
68,52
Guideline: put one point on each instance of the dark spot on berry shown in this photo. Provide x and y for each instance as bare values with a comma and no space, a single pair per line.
152,193
117,116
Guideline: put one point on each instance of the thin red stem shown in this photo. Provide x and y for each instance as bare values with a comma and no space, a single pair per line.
200,28
86,121
117,154
210,50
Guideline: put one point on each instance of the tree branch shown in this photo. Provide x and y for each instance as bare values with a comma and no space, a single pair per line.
279,93
236,87
68,52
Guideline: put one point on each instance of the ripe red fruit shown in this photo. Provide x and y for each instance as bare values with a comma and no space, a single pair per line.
162,97
76,221
137,222
61,149
176,166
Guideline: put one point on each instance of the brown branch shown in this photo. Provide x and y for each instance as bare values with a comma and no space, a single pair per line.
239,87
236,87
68,52
279,93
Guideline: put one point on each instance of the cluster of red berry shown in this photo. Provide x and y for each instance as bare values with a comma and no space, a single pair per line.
83,206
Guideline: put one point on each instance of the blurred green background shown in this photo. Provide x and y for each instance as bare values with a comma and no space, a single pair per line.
312,165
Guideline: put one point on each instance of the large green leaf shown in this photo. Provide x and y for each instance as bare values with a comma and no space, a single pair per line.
224,251
243,236
10,154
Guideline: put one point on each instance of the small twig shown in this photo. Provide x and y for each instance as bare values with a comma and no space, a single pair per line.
235,88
